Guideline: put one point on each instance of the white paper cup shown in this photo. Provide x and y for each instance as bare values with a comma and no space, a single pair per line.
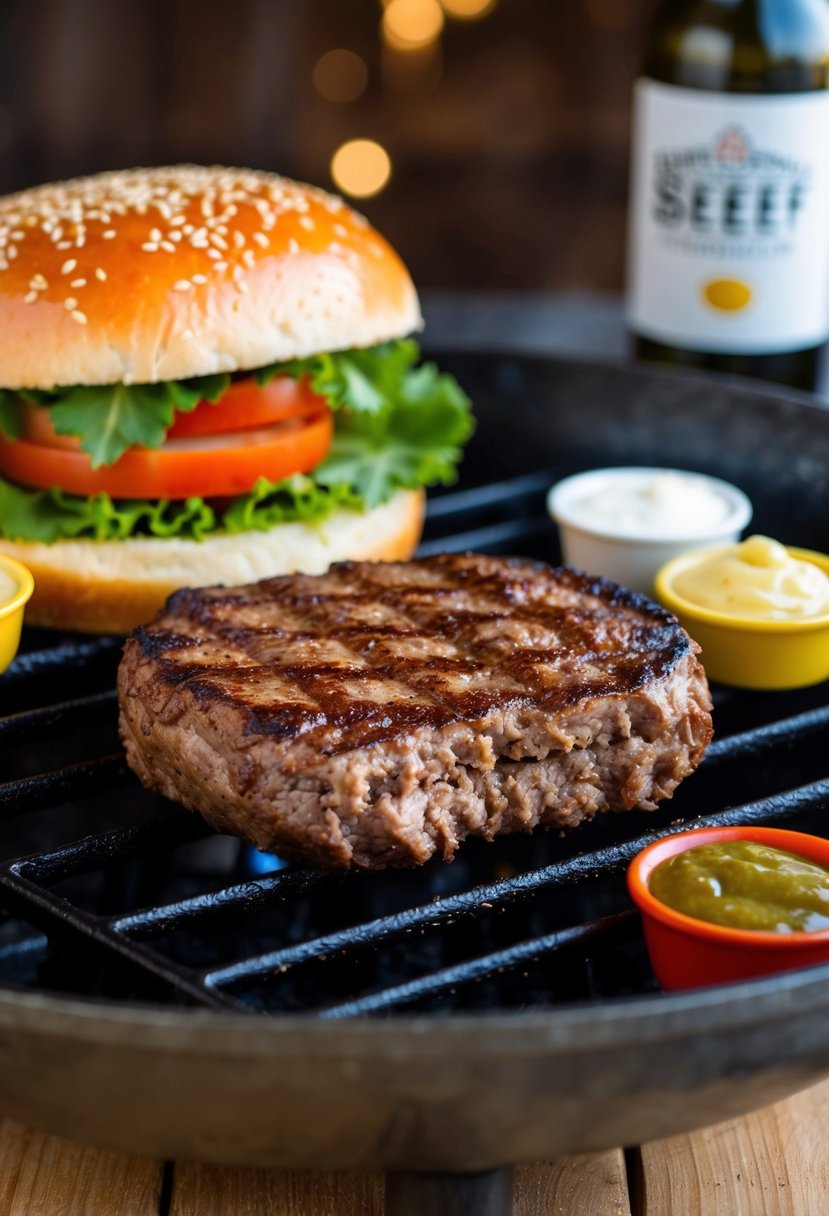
631,553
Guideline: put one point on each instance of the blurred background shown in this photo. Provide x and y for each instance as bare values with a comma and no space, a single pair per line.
488,139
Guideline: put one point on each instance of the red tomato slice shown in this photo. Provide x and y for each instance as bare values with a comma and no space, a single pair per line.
212,466
246,405
243,407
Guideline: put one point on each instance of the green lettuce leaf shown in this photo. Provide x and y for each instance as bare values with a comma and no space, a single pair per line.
11,417
367,381
50,515
417,442
110,418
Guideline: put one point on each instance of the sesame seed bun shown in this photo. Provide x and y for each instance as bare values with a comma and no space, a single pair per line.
165,274
113,586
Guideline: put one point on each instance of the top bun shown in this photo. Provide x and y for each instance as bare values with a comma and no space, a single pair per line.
163,274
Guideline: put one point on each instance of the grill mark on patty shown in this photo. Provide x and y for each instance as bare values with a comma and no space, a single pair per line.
450,601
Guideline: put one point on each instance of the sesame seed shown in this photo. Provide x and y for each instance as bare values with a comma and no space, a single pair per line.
108,234
11,252
79,316
306,222
64,245
70,304
248,257
30,297
214,254
100,274
155,234
243,287
68,266
38,283
293,245
261,240
168,246
177,220
150,247
182,285
78,283
239,239
175,235
340,230
199,278
220,265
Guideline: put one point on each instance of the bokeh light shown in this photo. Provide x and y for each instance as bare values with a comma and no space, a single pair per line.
467,10
409,25
340,76
360,168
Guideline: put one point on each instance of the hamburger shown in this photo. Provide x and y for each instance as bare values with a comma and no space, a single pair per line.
206,378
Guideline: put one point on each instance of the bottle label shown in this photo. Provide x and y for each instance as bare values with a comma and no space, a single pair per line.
729,225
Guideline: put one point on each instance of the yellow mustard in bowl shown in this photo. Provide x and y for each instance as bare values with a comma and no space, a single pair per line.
758,578
759,610
16,587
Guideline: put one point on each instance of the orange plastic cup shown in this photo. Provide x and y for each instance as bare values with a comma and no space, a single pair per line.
690,953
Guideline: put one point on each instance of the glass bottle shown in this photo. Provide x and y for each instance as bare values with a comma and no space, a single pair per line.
728,249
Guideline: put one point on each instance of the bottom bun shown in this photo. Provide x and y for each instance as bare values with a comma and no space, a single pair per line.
112,586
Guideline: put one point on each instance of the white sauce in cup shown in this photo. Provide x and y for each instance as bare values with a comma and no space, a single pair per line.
625,523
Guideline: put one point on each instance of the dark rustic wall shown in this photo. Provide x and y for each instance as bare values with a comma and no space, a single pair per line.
508,137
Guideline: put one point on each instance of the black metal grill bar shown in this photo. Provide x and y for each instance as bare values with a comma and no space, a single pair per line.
26,947
59,917
776,808
74,781
77,714
493,494
216,948
56,660
449,978
501,535
772,734
267,889
123,844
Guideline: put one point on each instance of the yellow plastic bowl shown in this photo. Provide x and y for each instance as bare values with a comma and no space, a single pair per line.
11,608
748,653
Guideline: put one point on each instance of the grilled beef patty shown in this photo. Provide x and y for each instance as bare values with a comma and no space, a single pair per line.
380,713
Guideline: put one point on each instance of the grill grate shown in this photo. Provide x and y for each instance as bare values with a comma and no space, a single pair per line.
110,891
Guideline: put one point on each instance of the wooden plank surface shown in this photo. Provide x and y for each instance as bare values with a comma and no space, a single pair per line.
771,1163
774,1162
46,1176
591,1185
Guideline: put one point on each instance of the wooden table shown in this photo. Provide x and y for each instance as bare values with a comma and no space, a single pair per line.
774,1162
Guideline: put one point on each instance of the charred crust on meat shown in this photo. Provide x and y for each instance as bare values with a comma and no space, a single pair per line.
395,708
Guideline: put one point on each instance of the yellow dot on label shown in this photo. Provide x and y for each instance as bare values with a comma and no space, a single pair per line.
727,295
